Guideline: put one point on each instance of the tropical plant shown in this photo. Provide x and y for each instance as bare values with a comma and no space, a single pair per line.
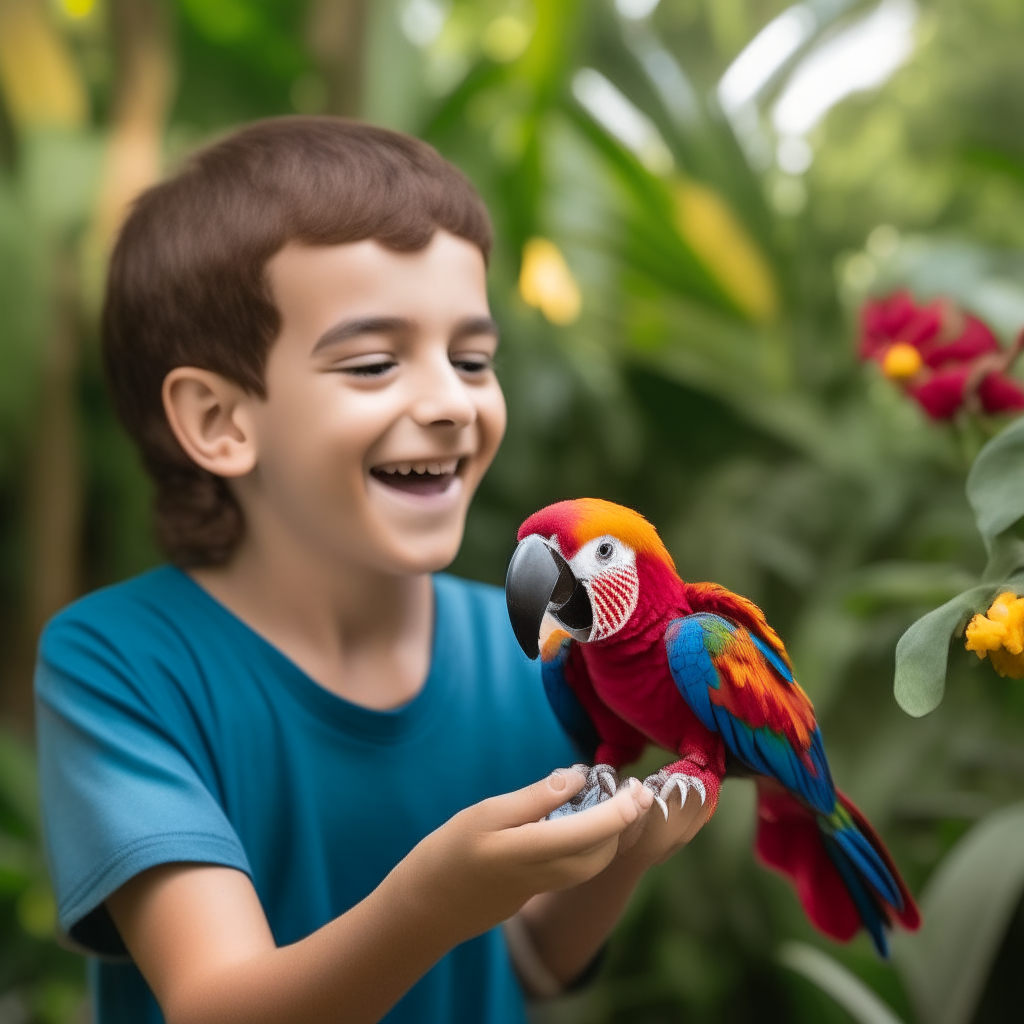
685,236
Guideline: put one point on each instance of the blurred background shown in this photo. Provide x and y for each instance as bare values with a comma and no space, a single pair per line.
693,200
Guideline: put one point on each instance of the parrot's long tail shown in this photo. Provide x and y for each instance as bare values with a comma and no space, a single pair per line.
843,873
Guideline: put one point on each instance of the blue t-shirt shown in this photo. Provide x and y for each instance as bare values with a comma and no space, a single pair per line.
171,731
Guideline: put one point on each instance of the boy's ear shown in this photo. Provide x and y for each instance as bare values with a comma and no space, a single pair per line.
210,418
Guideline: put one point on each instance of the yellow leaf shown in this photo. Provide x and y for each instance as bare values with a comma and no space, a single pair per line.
40,82
722,244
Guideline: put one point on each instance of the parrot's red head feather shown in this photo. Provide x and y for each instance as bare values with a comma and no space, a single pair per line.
579,520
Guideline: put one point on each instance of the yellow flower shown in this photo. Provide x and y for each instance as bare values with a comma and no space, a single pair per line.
902,361
545,281
1006,664
984,635
1000,635
1008,609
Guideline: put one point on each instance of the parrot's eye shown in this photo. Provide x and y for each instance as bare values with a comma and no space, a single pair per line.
604,550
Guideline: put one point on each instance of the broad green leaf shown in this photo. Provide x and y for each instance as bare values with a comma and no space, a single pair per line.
923,651
838,981
995,484
966,909
1006,558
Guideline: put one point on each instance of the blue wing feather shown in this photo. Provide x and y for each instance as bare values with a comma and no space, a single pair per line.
692,668
774,660
566,705
862,900
693,643
866,860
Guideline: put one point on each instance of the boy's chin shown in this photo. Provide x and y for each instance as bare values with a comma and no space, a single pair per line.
434,559
412,553
420,536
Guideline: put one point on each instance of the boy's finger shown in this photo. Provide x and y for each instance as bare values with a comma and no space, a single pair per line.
577,833
533,802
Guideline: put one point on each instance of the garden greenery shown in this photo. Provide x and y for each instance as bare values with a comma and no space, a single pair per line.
690,350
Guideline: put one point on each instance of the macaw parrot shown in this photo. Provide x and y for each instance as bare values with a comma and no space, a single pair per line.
633,655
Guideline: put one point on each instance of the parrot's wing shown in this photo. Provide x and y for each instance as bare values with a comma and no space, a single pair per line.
560,662
740,684
712,597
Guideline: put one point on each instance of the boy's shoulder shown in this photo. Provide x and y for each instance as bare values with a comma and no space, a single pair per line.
156,633
153,598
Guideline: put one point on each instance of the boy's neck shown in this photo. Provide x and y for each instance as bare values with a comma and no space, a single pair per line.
362,634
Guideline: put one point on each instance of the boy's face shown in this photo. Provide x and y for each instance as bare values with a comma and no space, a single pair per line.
382,410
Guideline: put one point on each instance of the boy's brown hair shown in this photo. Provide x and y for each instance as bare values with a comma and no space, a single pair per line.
187,283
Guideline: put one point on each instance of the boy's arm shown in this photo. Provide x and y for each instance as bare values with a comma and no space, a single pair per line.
200,937
565,930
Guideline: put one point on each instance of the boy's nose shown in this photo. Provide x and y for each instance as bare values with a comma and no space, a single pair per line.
442,399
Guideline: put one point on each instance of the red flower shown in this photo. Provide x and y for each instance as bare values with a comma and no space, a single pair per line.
945,358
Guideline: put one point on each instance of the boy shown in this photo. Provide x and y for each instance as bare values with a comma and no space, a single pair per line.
269,771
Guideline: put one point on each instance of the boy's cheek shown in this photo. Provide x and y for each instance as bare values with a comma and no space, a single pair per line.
493,420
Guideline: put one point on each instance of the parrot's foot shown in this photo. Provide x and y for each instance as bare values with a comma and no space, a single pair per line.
602,783
664,783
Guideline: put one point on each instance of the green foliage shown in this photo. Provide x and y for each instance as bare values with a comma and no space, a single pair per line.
842,984
43,980
922,652
967,906
995,485
995,489
710,381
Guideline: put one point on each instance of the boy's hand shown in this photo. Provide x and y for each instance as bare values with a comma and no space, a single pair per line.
652,838
480,867
568,928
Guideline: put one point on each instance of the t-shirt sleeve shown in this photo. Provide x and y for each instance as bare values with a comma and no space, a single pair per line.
121,774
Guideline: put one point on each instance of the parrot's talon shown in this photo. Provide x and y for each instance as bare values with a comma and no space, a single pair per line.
602,784
663,786
606,779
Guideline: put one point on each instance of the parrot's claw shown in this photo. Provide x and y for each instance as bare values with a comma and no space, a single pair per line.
663,784
602,784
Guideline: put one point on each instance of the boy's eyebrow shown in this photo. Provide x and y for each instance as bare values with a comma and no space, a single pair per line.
474,325
466,328
361,325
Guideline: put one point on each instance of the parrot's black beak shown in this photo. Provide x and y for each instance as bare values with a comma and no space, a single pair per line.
540,580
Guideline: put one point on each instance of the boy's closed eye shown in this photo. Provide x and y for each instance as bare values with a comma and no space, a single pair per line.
367,365
473,343
471,363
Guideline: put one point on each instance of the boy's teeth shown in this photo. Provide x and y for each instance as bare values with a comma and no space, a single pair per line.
434,468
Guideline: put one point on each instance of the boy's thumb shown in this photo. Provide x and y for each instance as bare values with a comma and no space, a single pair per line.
533,802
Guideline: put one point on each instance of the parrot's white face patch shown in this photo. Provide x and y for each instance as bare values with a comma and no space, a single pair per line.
607,569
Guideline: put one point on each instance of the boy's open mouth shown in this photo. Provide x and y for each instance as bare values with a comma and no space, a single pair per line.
417,477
